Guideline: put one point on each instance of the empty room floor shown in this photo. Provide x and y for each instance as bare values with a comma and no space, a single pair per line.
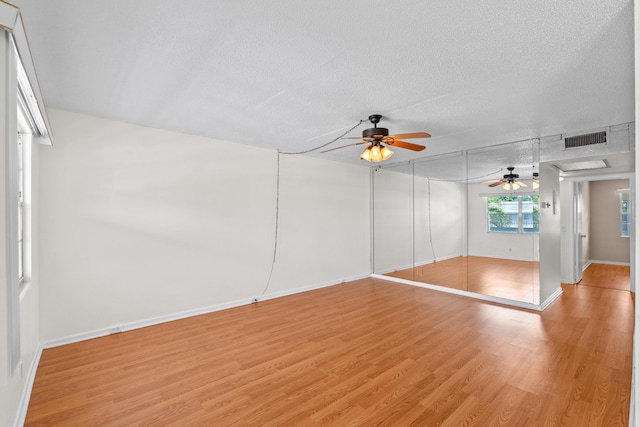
366,352
504,278
607,276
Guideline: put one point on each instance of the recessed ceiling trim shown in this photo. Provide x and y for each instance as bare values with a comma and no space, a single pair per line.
582,166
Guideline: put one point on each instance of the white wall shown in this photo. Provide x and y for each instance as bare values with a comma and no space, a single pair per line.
550,231
566,231
444,208
606,243
393,220
139,223
324,223
521,247
403,208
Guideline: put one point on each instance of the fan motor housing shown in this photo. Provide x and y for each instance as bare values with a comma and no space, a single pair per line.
375,133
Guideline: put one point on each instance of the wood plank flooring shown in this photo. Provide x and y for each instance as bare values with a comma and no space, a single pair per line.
515,280
368,352
607,276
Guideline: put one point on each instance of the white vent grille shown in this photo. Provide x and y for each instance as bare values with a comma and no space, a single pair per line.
584,140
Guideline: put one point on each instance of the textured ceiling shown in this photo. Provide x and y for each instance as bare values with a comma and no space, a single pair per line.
294,75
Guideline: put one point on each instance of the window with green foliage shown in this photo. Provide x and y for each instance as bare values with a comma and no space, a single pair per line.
514,214
625,212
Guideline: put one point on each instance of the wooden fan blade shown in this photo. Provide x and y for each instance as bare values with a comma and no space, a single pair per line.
344,146
407,145
491,181
363,138
411,135
495,184
521,184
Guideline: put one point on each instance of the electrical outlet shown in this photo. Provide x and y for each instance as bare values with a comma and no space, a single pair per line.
255,300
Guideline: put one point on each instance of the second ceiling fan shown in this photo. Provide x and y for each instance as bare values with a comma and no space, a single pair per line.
511,181
379,141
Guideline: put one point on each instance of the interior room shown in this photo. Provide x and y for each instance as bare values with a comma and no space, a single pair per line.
340,213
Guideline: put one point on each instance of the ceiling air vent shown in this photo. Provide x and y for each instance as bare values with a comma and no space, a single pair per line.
584,140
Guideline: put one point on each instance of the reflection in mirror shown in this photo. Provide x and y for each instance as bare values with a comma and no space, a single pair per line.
439,194
503,222
392,218
456,221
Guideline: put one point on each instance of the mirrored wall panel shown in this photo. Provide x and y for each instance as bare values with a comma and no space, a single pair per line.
503,217
467,220
392,232
438,222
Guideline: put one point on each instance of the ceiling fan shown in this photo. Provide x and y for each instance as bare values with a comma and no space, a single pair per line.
509,181
379,141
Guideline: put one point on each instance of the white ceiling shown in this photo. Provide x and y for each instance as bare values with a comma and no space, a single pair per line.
294,75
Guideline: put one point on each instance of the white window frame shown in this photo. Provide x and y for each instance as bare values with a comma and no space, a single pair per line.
621,199
24,144
21,91
520,215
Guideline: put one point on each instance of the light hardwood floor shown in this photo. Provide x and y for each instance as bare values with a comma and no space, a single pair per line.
607,276
368,352
515,280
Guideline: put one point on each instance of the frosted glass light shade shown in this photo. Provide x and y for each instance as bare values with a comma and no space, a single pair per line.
511,186
376,153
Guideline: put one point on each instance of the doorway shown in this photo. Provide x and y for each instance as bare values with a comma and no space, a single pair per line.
602,237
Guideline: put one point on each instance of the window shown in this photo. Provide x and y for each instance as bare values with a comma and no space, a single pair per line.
514,214
625,212
20,208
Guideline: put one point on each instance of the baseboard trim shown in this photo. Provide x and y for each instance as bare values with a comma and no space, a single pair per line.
482,297
188,313
280,294
21,415
510,258
554,296
595,261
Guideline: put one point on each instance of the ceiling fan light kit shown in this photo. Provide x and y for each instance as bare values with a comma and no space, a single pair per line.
376,153
511,186
379,141
510,181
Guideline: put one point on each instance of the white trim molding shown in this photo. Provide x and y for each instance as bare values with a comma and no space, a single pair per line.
11,20
596,261
21,415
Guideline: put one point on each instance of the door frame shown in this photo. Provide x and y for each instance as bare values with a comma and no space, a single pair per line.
577,199
572,260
